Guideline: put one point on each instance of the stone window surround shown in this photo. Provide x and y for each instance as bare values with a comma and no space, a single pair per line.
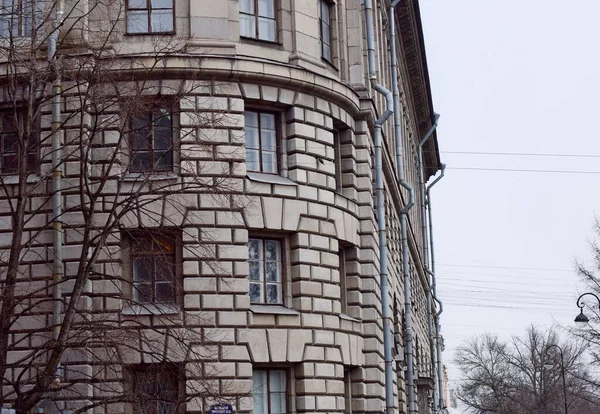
149,370
286,284
139,309
290,382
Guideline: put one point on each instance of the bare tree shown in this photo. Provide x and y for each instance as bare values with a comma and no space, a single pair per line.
523,375
107,326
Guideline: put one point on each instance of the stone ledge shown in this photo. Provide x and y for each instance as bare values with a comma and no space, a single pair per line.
273,309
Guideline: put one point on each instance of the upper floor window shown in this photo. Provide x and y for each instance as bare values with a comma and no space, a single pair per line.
151,140
155,388
12,139
325,21
269,391
15,18
264,260
150,16
258,19
261,142
153,269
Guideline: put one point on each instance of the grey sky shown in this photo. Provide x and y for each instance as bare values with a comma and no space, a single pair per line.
513,76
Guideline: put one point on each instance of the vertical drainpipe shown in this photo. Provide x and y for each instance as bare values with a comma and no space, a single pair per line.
57,239
410,384
383,258
438,339
429,303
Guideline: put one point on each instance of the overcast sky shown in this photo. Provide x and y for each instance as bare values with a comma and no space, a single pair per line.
518,76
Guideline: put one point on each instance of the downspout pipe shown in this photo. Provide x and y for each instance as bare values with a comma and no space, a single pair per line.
410,374
379,189
57,208
436,317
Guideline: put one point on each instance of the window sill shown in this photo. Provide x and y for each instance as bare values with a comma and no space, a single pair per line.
159,176
14,179
141,310
273,310
348,318
269,178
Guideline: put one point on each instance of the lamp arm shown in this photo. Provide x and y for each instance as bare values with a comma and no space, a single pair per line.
580,304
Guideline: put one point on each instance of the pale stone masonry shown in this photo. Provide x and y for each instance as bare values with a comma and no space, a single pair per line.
315,329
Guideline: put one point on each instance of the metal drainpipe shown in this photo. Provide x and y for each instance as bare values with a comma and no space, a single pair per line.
440,365
429,300
410,384
56,177
383,258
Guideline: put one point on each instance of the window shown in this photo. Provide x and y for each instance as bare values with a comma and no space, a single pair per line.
153,268
264,259
12,128
156,388
258,19
269,390
347,391
15,18
325,18
337,154
343,282
261,142
151,140
150,16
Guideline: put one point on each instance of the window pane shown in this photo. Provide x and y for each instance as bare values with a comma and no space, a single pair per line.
273,293
140,161
272,271
325,11
259,392
162,4
247,6
163,160
251,137
142,269
255,292
142,293
266,8
269,164
267,29
268,139
267,121
251,119
254,270
277,383
137,22
162,21
138,4
9,164
165,292
272,250
254,249
247,26
252,160
278,403
9,142
326,52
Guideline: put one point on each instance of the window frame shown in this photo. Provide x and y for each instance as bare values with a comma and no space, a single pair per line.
256,16
262,281
34,141
151,110
16,13
287,387
149,370
330,24
149,9
278,141
129,237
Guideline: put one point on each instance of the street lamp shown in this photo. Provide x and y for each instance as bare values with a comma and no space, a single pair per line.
562,369
581,320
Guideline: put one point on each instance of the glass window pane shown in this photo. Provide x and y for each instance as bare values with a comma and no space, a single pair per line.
326,52
251,119
272,250
278,403
247,6
267,121
247,26
162,4
142,269
272,271
267,29
251,137
259,392
9,142
137,22
165,292
254,248
268,140
162,21
325,33
163,160
9,164
254,270
138,4
140,161
277,381
266,8
252,160
269,164
273,293
142,292
255,292
325,11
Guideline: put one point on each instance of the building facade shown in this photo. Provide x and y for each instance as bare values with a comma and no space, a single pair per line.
187,206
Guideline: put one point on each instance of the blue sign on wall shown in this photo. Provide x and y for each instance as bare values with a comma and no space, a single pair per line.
221,409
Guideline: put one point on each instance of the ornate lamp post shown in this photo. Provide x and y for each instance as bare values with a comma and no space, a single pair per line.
562,371
581,320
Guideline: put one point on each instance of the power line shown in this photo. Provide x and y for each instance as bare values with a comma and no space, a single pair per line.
507,267
523,154
521,170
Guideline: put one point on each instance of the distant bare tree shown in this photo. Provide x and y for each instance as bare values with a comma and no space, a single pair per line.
508,377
